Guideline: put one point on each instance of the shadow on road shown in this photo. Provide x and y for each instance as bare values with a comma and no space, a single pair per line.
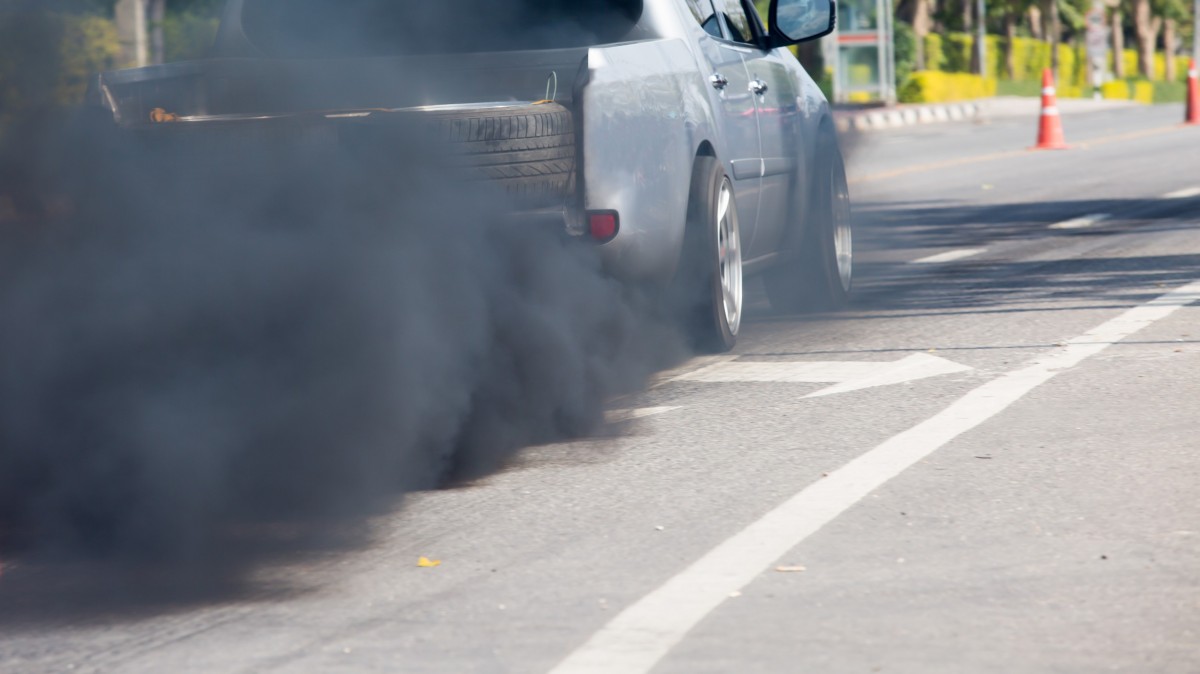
943,224
887,289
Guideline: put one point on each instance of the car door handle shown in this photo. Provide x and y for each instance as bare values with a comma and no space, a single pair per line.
719,81
758,86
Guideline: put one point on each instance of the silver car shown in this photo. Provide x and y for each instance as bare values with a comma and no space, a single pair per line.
682,136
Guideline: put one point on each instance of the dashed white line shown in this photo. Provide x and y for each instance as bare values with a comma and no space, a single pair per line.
1081,223
950,256
1183,194
640,636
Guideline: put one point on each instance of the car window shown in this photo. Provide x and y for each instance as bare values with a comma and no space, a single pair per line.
736,20
703,12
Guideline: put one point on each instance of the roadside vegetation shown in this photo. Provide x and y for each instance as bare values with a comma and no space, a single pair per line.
934,42
1149,43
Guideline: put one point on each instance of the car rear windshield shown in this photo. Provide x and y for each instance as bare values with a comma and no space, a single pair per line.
349,28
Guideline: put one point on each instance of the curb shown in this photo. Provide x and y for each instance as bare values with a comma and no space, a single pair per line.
873,120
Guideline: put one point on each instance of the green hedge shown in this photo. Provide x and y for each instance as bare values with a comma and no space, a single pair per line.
928,86
1030,58
1160,65
1144,91
952,53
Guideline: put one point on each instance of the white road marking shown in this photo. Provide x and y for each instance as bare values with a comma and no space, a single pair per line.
1183,194
641,635
617,416
949,256
912,368
1081,223
848,376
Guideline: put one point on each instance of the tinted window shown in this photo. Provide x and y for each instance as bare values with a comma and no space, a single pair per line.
736,20
703,12
332,28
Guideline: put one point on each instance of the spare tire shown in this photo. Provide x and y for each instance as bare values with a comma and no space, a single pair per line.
528,149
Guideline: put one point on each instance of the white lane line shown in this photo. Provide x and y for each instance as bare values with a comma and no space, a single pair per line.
949,256
1081,223
1183,194
617,416
641,635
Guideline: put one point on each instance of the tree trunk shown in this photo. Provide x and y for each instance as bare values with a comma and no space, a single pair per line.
1146,25
1054,34
158,12
1010,45
921,24
967,24
1118,43
131,31
1169,46
1035,23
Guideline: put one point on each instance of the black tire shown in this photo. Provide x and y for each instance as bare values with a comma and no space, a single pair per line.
698,290
810,278
526,149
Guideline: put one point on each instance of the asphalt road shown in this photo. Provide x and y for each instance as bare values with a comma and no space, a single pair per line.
1008,484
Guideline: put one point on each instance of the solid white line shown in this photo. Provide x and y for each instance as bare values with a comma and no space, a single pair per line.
641,635
1183,194
1081,223
949,256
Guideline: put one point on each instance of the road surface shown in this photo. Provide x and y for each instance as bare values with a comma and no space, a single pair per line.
989,463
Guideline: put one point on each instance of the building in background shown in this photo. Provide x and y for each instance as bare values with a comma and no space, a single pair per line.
861,52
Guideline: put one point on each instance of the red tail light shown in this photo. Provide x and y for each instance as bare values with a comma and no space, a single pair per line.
603,225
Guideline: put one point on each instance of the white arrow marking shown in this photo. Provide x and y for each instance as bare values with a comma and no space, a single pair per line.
949,256
1081,223
618,416
846,376
1183,194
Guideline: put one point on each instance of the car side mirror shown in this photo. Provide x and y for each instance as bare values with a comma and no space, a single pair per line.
794,21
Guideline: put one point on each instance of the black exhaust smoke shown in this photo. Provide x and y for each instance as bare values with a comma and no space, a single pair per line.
215,329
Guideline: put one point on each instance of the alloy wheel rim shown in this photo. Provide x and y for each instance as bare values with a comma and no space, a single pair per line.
729,257
843,235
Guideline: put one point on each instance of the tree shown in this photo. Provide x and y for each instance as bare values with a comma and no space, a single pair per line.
1118,42
1146,26
1173,12
1011,11
919,15
1053,33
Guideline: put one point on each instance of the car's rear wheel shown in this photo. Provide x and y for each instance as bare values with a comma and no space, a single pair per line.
708,286
819,276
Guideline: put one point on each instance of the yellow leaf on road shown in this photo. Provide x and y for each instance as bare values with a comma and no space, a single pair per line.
427,563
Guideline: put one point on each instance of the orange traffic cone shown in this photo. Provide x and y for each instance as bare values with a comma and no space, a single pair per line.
1192,116
1050,131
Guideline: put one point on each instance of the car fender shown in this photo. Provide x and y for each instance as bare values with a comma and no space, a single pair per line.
645,113
815,121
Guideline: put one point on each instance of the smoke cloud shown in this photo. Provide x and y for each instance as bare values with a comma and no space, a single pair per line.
213,332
